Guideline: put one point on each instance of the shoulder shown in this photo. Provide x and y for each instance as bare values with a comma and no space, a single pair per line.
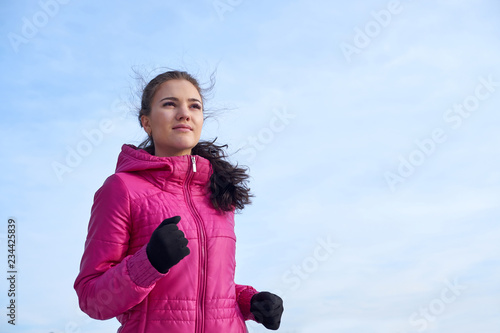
114,184
119,189
127,187
113,192
120,181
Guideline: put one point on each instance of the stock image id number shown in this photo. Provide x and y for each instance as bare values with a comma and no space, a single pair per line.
11,241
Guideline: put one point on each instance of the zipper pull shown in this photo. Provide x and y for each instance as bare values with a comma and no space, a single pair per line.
194,163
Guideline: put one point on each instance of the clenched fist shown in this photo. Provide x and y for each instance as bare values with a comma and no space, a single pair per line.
167,245
267,309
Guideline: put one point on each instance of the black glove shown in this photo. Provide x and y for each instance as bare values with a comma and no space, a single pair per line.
267,309
167,245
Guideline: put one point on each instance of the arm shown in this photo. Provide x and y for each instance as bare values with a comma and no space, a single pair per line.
243,296
109,282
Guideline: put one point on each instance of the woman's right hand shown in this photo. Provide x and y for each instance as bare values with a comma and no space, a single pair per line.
167,245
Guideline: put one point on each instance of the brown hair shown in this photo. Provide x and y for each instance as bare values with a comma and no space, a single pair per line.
228,183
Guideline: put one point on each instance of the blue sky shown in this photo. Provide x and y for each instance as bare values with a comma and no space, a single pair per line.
369,127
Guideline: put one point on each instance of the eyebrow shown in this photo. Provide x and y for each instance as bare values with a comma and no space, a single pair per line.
176,99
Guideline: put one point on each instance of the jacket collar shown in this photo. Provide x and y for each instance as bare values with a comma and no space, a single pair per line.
164,171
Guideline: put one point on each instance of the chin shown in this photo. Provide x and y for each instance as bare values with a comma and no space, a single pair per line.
187,147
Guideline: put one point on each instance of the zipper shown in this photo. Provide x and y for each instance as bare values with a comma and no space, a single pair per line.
193,160
202,279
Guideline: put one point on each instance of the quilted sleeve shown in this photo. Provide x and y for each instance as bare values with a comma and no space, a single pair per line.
109,282
243,296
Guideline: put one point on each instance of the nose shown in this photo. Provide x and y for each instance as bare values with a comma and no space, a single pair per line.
183,112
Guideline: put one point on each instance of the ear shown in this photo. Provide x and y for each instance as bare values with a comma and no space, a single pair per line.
146,124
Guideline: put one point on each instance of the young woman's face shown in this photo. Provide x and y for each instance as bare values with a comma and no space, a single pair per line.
176,118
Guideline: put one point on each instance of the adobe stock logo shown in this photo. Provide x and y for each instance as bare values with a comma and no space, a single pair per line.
31,27
92,138
324,250
428,314
83,148
266,135
428,146
371,30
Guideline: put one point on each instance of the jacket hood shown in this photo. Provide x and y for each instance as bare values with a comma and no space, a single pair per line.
161,170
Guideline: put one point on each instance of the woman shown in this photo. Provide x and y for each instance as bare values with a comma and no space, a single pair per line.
160,249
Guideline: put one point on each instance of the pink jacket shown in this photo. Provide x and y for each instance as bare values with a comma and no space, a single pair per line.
117,280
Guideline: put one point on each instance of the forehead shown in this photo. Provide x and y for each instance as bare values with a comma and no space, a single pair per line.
181,89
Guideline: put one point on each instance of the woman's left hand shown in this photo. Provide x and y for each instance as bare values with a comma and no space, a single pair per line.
267,309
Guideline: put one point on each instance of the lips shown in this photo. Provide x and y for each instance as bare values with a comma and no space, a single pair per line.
183,127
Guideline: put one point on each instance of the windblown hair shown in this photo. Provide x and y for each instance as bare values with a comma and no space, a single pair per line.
228,183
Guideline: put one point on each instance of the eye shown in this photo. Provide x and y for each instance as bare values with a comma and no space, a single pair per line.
169,103
196,106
